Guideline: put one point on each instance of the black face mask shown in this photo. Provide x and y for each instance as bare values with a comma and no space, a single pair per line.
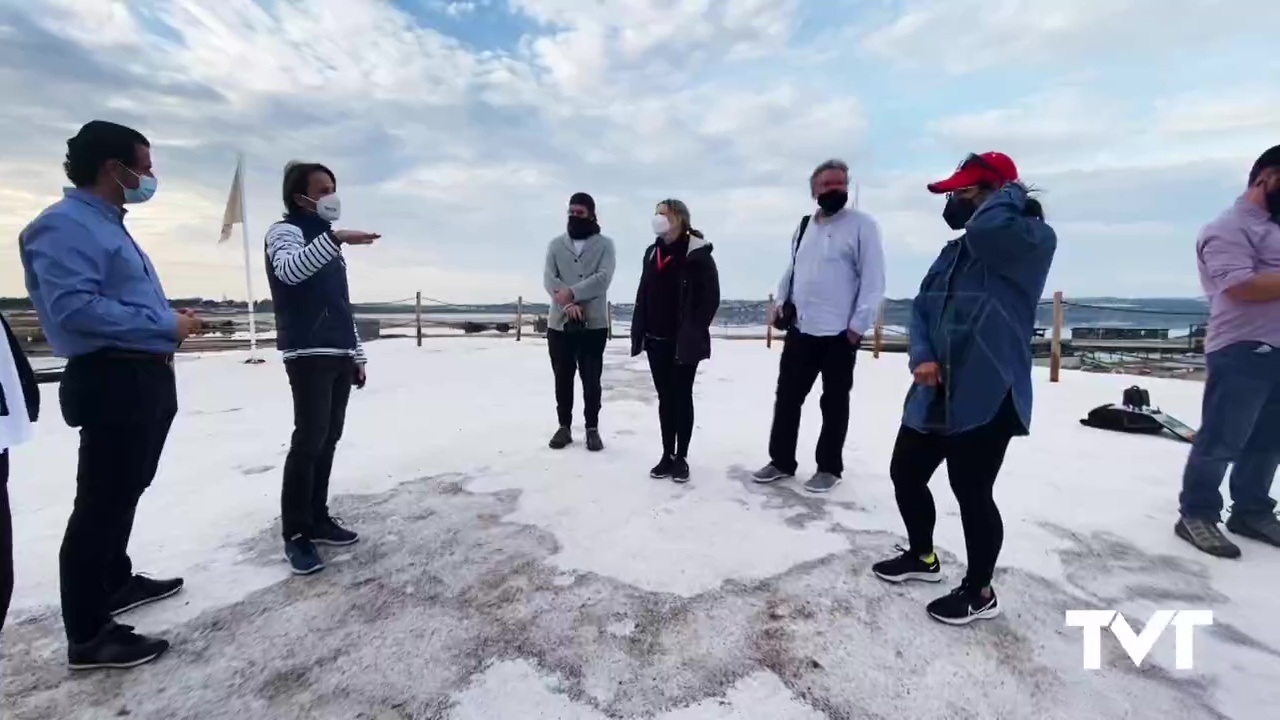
581,228
958,211
833,201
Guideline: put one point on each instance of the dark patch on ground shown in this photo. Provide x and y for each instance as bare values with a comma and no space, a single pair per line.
442,586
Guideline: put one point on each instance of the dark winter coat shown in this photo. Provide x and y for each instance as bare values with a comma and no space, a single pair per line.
699,300
30,390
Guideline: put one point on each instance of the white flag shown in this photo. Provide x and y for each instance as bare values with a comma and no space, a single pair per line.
235,208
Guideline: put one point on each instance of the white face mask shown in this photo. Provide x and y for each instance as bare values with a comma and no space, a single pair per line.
661,224
329,207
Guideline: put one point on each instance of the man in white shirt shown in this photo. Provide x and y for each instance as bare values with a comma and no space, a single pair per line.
827,300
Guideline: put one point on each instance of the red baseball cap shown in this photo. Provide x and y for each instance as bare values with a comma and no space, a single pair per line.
989,167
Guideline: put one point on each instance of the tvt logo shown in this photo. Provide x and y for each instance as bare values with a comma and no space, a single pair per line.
1138,645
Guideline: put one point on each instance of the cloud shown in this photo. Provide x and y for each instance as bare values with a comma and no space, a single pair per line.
964,36
459,129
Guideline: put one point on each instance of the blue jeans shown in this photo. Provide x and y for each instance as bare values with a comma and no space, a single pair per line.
1240,427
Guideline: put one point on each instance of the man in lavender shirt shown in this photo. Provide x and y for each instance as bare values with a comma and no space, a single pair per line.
1239,256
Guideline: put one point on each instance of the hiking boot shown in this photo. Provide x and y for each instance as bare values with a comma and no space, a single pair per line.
1263,528
679,471
964,605
142,590
594,443
562,439
1206,536
116,646
663,469
822,482
908,566
303,556
329,532
770,474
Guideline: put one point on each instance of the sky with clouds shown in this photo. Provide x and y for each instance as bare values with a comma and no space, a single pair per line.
459,129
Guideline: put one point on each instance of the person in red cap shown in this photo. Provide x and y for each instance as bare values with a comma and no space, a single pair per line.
970,357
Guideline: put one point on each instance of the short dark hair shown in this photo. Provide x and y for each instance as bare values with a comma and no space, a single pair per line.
1268,159
98,142
297,176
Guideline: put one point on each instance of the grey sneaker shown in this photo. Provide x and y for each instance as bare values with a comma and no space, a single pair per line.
1263,529
769,474
1206,536
822,482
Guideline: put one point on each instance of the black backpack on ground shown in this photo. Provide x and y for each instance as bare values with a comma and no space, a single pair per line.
1130,417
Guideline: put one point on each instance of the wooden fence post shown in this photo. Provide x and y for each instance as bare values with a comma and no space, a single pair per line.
878,339
768,323
608,308
417,315
1055,348
519,316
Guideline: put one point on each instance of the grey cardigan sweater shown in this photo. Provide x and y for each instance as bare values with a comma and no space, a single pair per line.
587,275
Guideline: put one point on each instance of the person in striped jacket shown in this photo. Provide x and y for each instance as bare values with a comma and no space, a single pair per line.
315,331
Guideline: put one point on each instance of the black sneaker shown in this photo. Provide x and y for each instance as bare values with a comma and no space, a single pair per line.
964,605
663,469
562,439
1263,529
117,646
908,566
679,471
329,532
770,474
1207,537
142,590
594,443
303,556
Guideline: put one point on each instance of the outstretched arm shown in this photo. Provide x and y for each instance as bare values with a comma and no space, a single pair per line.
292,259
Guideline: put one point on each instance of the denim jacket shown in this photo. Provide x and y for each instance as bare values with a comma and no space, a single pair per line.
975,315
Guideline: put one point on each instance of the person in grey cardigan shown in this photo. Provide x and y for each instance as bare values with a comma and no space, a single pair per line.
579,268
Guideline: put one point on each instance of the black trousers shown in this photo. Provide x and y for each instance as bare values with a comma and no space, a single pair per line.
804,359
582,353
321,388
124,405
674,383
973,461
6,540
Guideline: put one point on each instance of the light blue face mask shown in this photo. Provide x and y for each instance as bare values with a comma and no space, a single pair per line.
144,192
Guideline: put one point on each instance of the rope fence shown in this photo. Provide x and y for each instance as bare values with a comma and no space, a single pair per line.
1103,336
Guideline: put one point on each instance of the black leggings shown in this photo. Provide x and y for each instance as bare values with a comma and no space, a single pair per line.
973,461
674,383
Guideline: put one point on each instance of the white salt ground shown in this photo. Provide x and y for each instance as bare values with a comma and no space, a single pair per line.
499,579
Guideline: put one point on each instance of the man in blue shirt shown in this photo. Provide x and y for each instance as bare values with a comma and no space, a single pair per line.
102,307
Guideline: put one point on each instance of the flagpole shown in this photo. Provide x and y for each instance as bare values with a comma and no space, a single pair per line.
248,273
